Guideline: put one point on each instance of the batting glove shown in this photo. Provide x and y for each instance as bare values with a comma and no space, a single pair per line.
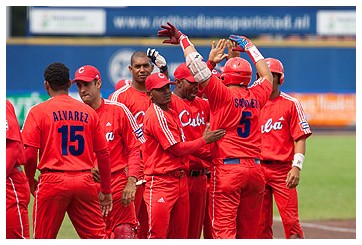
175,36
245,45
157,59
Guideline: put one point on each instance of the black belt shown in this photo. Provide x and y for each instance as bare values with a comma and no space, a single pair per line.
237,160
196,173
270,161
177,173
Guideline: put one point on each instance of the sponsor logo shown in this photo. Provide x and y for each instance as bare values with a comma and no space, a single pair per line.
161,200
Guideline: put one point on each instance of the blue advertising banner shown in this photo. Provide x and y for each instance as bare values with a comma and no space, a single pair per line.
196,21
307,69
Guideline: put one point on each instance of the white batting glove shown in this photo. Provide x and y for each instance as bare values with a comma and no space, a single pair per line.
157,59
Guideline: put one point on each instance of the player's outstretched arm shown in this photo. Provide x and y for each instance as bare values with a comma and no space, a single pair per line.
194,60
245,45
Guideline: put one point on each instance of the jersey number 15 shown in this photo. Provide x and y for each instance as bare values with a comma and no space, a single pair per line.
74,136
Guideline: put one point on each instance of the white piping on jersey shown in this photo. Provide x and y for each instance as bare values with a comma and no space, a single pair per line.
299,108
36,207
163,123
18,208
213,200
257,82
150,211
119,91
130,117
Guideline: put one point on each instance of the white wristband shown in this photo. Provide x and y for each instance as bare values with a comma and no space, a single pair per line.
254,54
298,160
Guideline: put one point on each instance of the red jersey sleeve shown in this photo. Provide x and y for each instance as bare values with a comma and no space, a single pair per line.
261,89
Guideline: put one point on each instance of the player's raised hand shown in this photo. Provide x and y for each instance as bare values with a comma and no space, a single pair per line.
212,136
157,59
233,50
171,32
243,42
106,203
217,54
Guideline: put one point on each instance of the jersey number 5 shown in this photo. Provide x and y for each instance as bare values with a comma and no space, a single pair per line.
244,125
73,137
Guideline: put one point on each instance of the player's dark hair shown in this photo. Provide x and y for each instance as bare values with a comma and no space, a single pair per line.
138,53
57,75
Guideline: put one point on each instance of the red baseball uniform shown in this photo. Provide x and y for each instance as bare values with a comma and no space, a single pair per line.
67,132
17,187
124,138
138,103
282,122
194,115
237,183
166,190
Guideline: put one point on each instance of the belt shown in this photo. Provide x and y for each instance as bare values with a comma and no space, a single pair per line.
237,160
270,161
177,173
196,173
47,170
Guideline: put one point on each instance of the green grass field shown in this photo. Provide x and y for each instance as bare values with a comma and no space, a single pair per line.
327,189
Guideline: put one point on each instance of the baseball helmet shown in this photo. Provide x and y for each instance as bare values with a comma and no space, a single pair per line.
277,67
236,71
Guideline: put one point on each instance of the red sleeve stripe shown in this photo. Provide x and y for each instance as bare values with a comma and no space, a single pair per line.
301,115
130,117
163,123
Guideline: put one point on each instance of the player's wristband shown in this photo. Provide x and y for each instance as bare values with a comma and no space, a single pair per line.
211,65
185,42
254,54
298,160
163,68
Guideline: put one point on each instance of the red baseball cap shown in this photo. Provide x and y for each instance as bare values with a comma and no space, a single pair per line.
183,72
86,73
156,80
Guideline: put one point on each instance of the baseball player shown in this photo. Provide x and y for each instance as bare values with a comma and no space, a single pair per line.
124,138
136,99
166,160
284,132
67,133
17,188
194,114
237,183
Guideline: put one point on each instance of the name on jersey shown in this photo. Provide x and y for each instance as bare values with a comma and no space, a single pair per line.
245,103
186,120
70,116
269,125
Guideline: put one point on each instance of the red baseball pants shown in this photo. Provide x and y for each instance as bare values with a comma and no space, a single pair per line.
286,201
236,194
17,201
167,201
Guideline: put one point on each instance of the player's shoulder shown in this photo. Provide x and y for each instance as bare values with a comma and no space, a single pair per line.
288,97
122,91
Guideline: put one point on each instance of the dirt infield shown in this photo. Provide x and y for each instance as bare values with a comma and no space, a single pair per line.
332,229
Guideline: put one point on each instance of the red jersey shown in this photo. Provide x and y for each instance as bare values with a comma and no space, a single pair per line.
136,101
282,122
123,134
237,111
66,131
13,133
193,115
162,129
